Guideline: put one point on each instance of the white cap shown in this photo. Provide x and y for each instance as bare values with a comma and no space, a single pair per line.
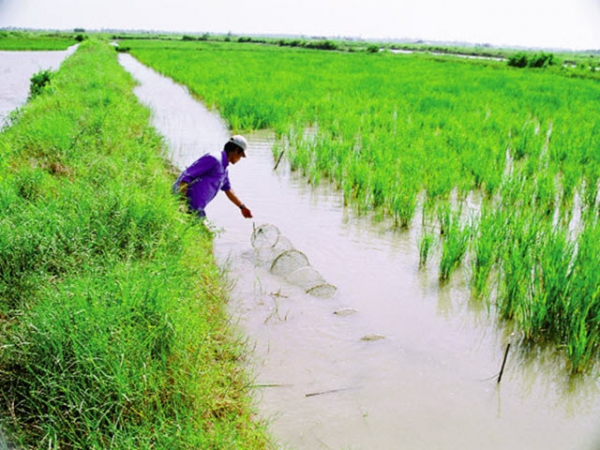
240,141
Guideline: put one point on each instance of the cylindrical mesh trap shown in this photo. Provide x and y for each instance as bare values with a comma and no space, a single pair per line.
265,236
289,261
277,252
305,277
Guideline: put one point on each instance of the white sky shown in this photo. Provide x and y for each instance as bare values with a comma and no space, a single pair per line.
569,24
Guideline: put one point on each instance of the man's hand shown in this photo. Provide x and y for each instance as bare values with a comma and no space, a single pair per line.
246,212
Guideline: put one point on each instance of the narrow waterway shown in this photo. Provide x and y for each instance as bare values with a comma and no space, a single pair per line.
391,360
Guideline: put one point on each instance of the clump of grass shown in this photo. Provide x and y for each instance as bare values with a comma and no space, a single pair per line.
455,232
582,312
428,236
114,333
489,231
38,82
404,205
425,247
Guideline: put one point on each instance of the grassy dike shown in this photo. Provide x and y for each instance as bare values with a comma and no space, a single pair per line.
114,332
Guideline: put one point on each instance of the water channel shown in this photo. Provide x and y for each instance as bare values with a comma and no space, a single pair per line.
392,360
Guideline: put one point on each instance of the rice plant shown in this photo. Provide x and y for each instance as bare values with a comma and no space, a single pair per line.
387,129
455,231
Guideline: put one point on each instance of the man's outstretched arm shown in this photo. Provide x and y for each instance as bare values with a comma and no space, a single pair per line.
237,202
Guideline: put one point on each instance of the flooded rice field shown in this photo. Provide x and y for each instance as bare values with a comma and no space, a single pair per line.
17,68
390,359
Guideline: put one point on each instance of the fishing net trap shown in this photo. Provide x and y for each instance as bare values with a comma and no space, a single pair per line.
277,252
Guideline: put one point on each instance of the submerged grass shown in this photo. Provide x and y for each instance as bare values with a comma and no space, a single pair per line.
114,332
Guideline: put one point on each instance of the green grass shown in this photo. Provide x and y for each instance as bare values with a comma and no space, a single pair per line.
30,40
455,233
388,129
114,330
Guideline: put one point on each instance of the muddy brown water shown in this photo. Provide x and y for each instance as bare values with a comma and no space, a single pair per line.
392,360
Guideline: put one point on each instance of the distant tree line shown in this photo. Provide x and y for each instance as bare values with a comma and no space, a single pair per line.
203,37
537,60
324,44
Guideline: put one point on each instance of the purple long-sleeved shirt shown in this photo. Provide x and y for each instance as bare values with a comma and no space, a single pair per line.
205,177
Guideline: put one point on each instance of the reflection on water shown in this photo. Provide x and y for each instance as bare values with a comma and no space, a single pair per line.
428,382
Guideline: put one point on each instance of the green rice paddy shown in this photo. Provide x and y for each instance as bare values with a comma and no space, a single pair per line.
501,163
28,40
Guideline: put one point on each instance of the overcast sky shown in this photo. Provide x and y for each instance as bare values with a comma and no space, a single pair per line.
569,24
